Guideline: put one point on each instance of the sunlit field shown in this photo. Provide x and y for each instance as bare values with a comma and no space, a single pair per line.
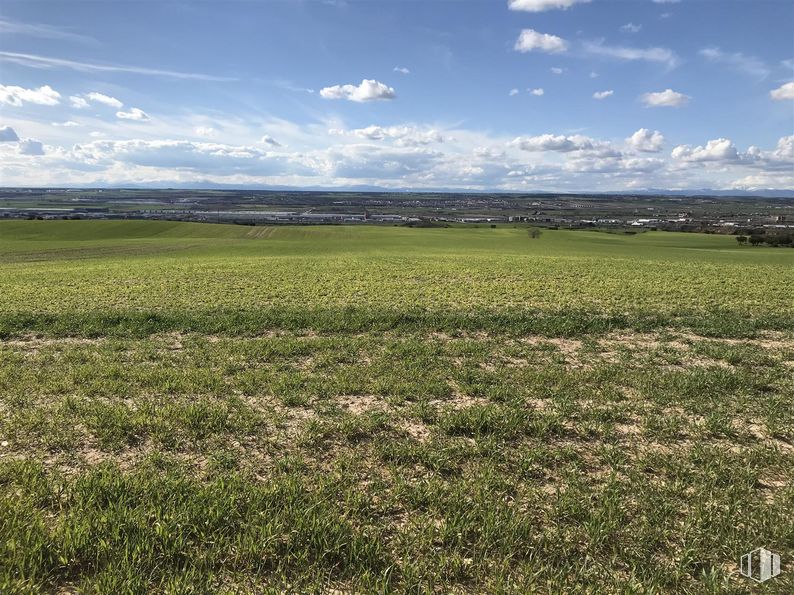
211,408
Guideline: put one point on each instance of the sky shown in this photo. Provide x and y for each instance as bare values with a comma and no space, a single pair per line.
490,95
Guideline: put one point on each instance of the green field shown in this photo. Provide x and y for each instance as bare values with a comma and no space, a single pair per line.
211,408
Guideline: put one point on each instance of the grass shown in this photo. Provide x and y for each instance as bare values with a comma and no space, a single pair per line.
358,429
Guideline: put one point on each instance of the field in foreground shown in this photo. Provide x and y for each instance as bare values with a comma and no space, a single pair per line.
223,408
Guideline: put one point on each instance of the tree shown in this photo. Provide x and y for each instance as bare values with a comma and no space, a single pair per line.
741,239
755,240
534,233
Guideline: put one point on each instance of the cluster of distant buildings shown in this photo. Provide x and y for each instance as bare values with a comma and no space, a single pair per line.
341,212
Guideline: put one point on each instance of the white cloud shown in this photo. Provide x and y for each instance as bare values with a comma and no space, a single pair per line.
593,75
536,92
488,153
43,31
402,70
666,98
368,90
290,86
513,92
765,181
8,135
203,157
16,96
401,155
541,5
372,161
550,142
269,140
785,148
135,114
407,136
785,91
67,124
647,141
738,61
35,61
30,147
631,28
105,99
207,131
603,94
654,54
642,164
530,40
557,70
720,149
781,158
78,102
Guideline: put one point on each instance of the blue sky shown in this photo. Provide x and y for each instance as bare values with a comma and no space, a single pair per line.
490,94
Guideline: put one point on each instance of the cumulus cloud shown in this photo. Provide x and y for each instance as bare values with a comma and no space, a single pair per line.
653,54
368,90
409,155
536,92
603,94
78,102
188,160
67,124
557,70
785,91
785,148
551,142
200,157
513,92
643,164
8,135
720,149
402,70
104,99
738,61
647,141
541,5
765,181
666,98
30,147
407,136
781,158
16,96
269,140
207,131
488,153
530,40
631,28
135,114
372,161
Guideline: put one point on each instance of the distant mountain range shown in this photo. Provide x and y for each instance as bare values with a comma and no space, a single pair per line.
766,192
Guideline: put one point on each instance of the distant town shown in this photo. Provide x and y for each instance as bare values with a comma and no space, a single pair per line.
722,214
